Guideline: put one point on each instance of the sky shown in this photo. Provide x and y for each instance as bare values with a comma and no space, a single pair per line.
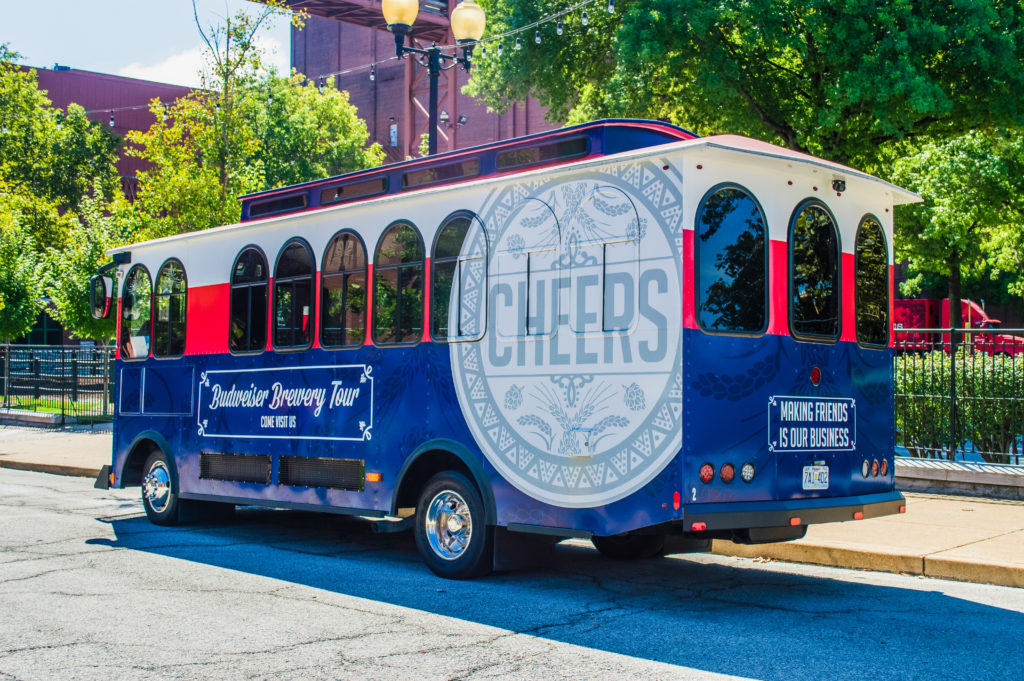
148,39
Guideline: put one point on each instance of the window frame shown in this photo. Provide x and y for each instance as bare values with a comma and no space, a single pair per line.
343,272
275,282
231,288
184,322
120,326
807,337
856,288
376,271
767,263
473,218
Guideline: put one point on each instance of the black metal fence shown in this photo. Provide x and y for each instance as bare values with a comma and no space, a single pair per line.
960,394
73,383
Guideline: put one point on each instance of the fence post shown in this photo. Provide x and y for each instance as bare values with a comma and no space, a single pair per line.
108,388
951,456
7,374
74,378
63,385
37,377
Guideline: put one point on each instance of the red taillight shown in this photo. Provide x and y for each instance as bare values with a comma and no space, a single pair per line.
859,515
874,468
794,521
885,467
707,473
728,472
698,527
677,501
903,509
815,375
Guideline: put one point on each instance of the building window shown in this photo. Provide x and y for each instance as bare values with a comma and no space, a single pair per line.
169,324
136,314
343,292
293,296
249,302
814,273
398,286
872,282
458,279
731,263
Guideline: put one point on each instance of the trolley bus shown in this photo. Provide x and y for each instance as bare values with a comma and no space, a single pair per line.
617,331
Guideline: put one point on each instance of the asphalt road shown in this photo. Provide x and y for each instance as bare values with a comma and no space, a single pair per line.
90,590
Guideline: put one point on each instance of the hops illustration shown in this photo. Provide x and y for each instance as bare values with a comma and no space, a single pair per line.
513,398
635,397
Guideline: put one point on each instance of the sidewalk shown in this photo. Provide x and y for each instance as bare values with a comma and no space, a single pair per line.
949,537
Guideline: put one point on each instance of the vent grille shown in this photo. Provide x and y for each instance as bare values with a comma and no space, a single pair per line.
234,467
303,471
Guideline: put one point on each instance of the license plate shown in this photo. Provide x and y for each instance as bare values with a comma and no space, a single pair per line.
815,477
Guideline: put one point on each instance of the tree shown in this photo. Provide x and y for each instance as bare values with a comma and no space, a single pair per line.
20,290
973,209
836,79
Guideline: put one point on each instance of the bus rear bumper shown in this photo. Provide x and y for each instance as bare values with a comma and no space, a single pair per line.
790,513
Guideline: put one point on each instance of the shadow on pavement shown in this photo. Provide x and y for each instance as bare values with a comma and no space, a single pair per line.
743,621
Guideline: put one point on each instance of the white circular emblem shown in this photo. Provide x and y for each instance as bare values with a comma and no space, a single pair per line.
574,393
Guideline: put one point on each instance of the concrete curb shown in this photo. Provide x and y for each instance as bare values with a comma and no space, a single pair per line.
877,561
54,469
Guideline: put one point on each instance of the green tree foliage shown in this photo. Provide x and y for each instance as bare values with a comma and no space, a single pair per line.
973,209
836,79
19,273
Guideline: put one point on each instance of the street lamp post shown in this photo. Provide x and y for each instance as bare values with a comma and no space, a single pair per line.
467,27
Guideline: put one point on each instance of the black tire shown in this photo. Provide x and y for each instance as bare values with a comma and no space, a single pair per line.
451,531
630,546
160,489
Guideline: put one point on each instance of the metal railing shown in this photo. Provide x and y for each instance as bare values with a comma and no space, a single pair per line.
73,383
960,394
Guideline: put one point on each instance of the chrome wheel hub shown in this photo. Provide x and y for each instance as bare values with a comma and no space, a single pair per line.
156,487
449,525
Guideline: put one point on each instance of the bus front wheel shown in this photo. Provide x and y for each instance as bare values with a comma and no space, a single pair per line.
630,546
160,489
451,531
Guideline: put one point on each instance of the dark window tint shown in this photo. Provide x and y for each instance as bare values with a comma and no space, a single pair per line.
356,190
814,273
543,153
343,292
293,296
136,314
281,205
732,257
458,278
398,286
169,325
872,276
452,171
248,331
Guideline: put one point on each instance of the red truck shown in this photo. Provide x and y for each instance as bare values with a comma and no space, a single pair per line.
928,313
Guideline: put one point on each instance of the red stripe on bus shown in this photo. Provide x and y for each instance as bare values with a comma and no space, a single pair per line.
892,305
426,301
316,313
689,294
207,319
369,304
847,290
778,288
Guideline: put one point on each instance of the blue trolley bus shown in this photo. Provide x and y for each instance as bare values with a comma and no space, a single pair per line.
617,331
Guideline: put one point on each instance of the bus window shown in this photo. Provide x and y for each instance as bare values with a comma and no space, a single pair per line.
814,273
249,302
602,245
343,292
136,313
527,272
458,279
293,296
731,263
398,286
169,325
872,277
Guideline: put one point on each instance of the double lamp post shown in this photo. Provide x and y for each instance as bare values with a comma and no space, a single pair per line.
467,22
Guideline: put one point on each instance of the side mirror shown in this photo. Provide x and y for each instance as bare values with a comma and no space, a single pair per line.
100,291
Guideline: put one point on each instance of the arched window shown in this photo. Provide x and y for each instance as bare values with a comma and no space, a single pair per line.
343,292
398,286
136,314
872,281
248,331
527,272
731,262
169,324
293,296
814,273
458,279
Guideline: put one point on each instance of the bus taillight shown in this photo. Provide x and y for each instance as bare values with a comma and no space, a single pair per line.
728,472
707,473
747,472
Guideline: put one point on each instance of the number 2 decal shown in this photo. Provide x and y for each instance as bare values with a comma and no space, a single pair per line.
693,494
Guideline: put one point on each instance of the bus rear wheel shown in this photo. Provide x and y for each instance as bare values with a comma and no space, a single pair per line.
160,489
630,546
451,533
